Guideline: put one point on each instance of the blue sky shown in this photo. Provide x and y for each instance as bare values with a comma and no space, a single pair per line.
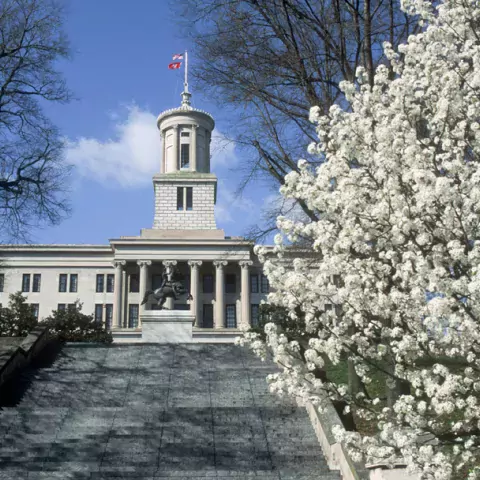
119,75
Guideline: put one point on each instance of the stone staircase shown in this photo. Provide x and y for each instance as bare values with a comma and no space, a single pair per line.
153,412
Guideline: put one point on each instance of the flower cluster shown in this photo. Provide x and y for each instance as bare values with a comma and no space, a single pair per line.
398,205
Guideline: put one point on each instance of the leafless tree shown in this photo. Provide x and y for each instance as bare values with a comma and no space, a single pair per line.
268,61
33,174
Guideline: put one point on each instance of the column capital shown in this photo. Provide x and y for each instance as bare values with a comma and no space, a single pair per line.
195,126
119,263
194,263
220,263
176,126
169,263
245,263
144,263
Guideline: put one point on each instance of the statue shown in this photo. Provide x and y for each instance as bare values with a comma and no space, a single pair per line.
168,289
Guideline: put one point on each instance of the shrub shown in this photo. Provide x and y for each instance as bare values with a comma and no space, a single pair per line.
18,319
71,325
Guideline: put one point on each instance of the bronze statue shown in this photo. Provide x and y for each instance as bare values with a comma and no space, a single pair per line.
168,289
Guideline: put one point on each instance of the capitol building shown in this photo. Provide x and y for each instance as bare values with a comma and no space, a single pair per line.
222,273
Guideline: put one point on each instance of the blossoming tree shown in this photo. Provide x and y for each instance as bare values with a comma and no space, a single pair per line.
398,202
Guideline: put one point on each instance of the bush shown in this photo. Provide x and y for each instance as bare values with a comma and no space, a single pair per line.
18,319
71,325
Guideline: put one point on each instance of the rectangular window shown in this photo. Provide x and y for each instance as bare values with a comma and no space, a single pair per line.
133,315
134,283
156,281
99,286
26,282
110,283
254,314
189,198
230,286
98,313
185,134
74,282
2,281
186,282
185,155
108,315
208,284
61,307
231,317
36,309
207,321
71,307
265,284
62,282
179,198
253,283
37,280
337,280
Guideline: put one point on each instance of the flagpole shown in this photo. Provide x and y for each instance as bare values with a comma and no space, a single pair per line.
186,71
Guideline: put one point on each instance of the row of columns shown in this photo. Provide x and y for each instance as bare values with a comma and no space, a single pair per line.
195,306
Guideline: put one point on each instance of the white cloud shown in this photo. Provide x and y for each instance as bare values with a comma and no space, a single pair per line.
129,159
133,155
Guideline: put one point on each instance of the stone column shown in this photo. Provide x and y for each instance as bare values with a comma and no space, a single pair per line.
163,167
219,319
174,165
117,306
193,161
143,264
195,289
245,293
125,299
169,264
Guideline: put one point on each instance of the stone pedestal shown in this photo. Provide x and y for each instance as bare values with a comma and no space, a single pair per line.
167,326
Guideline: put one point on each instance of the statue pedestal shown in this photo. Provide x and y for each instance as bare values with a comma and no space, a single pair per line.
167,326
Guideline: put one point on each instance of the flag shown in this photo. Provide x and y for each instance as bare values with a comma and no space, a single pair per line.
178,56
174,65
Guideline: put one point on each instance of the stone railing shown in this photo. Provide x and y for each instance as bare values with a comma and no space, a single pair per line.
13,359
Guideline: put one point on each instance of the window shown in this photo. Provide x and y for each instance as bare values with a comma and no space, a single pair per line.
98,313
185,134
36,309
110,283
253,283
265,284
133,315
73,282
71,307
26,282
37,279
108,315
2,281
134,283
186,282
189,198
230,286
62,282
185,155
231,317
179,198
208,284
156,281
61,307
254,314
100,283
337,280
184,198
207,321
